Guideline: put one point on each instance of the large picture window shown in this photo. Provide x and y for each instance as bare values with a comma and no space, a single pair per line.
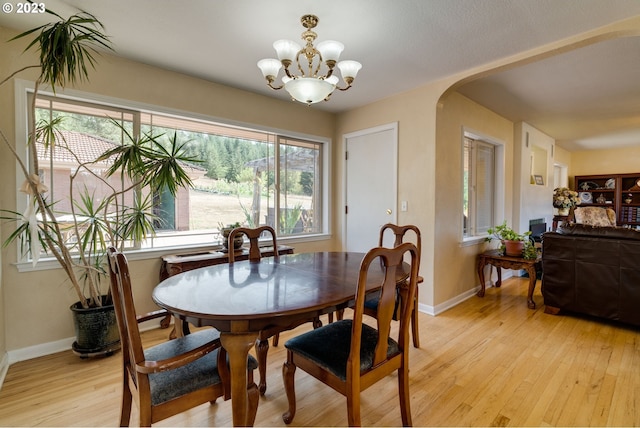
246,176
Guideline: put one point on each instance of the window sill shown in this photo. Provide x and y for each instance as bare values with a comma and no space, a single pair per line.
473,240
48,263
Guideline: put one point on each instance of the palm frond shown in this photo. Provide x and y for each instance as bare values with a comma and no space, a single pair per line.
21,232
132,157
168,166
47,132
92,225
67,48
139,221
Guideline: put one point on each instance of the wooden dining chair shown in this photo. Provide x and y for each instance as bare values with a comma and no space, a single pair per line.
262,344
173,376
349,355
400,234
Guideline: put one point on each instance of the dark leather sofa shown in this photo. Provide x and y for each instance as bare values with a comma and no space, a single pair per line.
592,270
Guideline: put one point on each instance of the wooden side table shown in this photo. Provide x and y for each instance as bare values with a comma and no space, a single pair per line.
173,264
494,258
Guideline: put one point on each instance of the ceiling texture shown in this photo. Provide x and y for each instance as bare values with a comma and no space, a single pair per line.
586,99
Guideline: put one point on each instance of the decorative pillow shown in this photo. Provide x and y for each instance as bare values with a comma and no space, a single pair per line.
595,216
612,216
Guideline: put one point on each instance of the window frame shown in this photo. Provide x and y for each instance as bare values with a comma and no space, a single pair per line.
498,188
22,89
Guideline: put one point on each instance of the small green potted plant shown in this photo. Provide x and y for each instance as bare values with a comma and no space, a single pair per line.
512,243
226,230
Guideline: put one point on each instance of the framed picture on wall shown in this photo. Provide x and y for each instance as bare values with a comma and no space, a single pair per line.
539,180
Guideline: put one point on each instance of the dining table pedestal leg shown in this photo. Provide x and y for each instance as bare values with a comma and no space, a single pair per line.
237,346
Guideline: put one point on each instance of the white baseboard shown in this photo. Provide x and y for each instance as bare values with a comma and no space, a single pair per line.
438,309
48,348
40,350
4,368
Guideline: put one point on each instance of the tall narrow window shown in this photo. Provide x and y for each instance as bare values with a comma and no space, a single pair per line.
300,162
479,180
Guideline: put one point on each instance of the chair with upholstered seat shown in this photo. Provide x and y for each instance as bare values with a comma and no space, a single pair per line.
349,355
400,234
173,376
262,344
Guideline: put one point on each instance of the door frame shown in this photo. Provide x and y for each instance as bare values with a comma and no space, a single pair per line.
393,126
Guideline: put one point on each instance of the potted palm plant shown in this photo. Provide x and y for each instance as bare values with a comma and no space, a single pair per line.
144,165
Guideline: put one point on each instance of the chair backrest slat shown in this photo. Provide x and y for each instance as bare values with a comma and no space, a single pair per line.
400,235
253,235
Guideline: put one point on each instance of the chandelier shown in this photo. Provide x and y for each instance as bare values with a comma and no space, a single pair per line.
310,86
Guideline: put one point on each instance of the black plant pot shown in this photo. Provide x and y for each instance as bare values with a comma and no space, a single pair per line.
96,330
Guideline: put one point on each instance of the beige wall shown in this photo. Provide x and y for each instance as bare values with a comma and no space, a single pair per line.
415,112
3,342
35,307
455,272
561,156
613,161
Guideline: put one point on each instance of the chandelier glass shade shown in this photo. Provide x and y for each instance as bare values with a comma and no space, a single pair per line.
316,79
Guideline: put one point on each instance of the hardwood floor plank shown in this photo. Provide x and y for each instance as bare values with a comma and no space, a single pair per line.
625,396
486,362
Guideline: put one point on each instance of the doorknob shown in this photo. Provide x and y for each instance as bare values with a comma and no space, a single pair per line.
389,211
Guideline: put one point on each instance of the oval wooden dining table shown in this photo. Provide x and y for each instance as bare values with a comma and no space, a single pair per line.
243,298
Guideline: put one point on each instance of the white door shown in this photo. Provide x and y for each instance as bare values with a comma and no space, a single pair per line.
371,173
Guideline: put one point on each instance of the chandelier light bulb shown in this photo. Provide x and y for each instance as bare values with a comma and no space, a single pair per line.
269,67
330,50
349,69
286,49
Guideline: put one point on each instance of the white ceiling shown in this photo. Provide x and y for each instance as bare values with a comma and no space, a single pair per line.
584,99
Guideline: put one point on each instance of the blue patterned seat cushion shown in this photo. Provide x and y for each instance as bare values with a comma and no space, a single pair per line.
329,346
201,373
372,303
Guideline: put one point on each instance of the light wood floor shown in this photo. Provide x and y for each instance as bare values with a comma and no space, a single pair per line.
486,362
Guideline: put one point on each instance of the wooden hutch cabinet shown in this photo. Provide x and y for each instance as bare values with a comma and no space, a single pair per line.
621,192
